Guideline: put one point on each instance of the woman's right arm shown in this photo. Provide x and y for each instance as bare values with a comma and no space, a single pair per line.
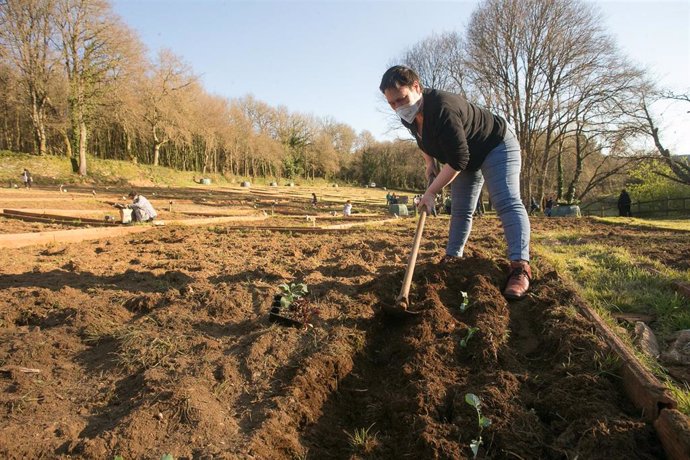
431,169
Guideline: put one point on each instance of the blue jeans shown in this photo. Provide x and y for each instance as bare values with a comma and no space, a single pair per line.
501,170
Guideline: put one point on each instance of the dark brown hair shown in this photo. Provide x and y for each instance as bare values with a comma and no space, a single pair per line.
398,76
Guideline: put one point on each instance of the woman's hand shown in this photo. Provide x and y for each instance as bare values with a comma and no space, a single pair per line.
427,203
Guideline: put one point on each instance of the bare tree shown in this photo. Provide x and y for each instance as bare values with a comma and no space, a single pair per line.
684,97
524,57
95,46
26,34
642,126
593,120
679,166
438,60
12,110
164,98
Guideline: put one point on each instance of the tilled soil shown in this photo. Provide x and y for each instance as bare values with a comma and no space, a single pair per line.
19,226
161,343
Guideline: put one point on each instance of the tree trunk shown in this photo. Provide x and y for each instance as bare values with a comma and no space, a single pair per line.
8,135
559,179
128,148
18,136
541,179
68,144
82,148
570,196
156,147
37,118
156,152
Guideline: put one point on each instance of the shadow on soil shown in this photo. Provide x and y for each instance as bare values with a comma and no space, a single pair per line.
130,280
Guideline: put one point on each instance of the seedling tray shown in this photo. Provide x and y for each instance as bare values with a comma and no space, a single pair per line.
275,315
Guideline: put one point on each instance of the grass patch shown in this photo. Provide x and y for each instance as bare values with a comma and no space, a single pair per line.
362,440
613,280
682,397
142,349
54,170
668,224
57,169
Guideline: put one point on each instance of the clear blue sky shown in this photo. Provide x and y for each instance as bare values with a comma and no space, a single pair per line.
326,57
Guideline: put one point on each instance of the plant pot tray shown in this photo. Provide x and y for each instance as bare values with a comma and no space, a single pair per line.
275,315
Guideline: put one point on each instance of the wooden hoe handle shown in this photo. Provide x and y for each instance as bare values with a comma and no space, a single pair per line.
407,281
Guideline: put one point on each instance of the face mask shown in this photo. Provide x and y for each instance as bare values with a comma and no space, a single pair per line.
409,111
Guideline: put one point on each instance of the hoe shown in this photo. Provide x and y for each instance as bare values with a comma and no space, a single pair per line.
402,303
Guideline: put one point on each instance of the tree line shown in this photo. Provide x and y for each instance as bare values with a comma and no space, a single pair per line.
77,80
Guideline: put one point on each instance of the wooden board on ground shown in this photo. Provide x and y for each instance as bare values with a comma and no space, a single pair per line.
55,218
18,240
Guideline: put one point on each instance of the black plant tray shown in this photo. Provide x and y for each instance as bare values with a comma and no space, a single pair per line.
274,315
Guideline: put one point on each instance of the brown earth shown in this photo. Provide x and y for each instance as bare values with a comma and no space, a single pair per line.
161,343
18,226
290,206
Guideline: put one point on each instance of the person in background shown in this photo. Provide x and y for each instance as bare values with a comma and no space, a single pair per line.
473,145
549,206
479,210
347,209
624,203
388,198
447,205
533,206
142,209
313,199
26,178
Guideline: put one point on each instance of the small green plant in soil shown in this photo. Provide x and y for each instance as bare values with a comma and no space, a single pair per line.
293,303
291,293
361,438
607,363
470,332
482,422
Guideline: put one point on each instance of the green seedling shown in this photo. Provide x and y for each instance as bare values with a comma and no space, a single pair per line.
295,307
167,457
465,302
361,437
470,332
292,292
482,422
607,363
